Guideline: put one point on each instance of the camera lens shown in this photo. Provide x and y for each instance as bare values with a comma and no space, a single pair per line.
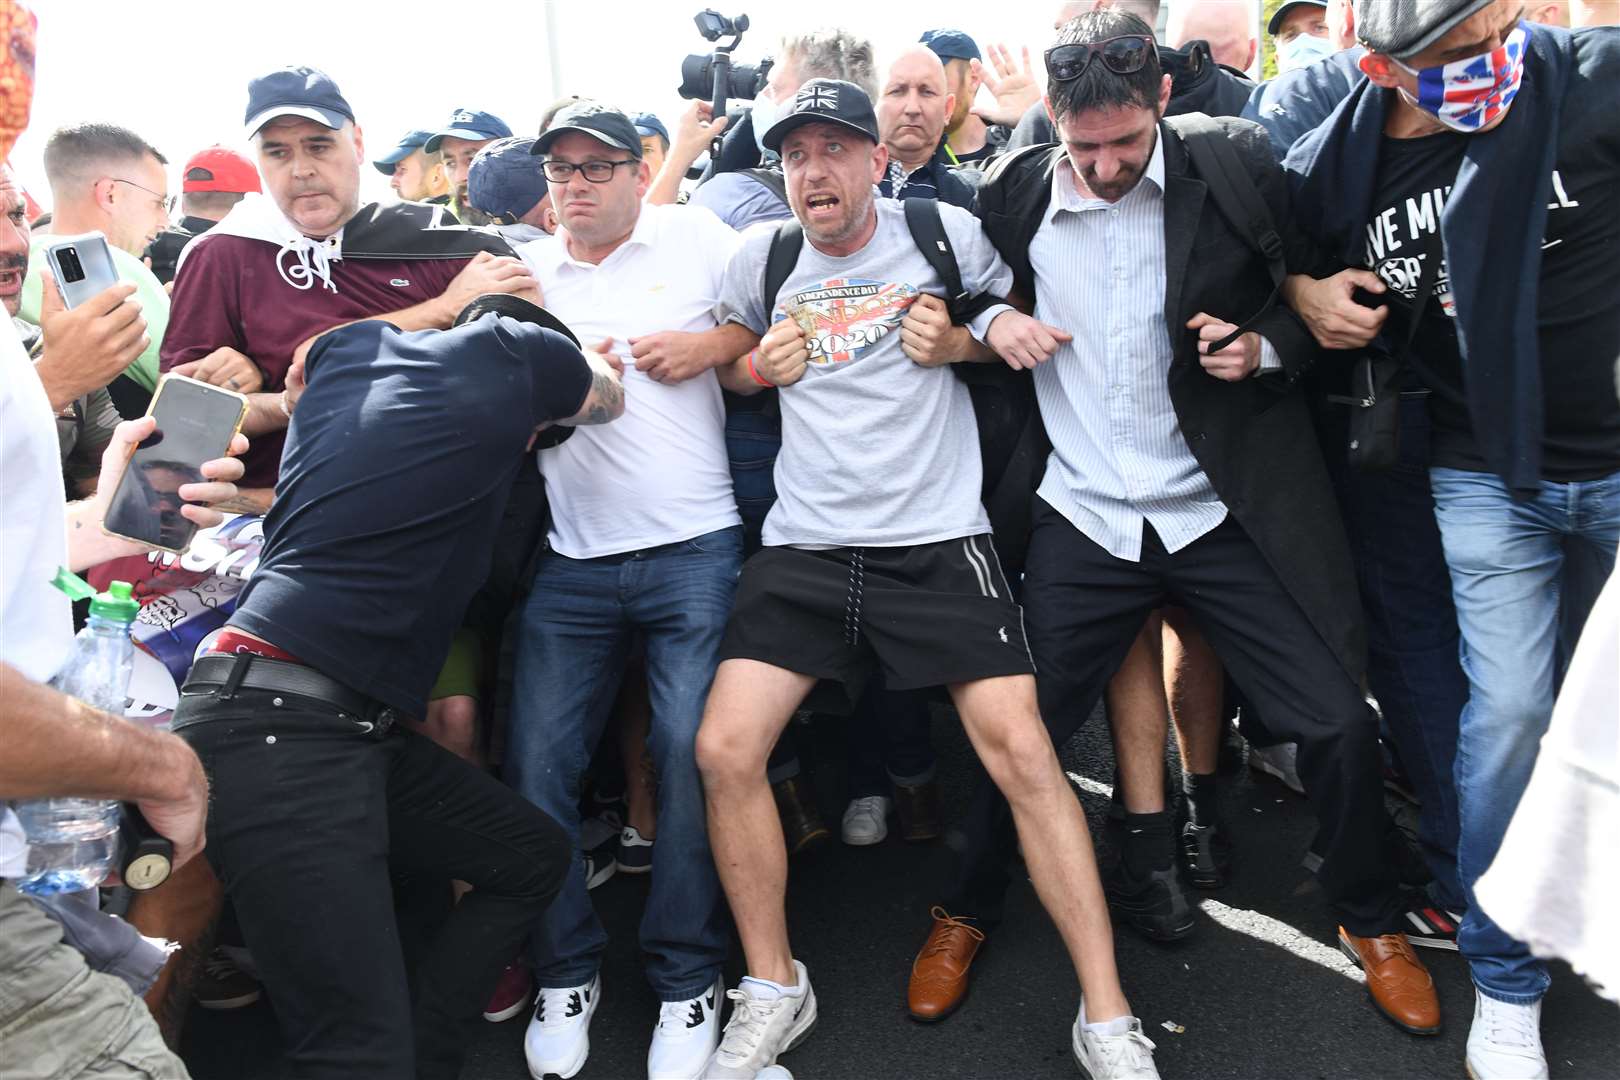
72,269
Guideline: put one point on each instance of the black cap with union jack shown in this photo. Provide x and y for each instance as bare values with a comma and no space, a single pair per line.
830,101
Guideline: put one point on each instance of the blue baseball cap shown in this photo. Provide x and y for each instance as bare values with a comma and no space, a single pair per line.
411,142
648,124
296,91
951,45
470,125
504,180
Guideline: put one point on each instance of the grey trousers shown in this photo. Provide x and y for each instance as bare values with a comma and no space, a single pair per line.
60,1019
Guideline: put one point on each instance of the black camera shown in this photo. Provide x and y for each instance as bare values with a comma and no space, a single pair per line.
714,77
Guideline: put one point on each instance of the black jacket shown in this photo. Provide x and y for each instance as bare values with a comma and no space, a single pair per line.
1253,438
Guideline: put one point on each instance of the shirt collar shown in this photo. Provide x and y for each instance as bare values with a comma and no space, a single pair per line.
556,255
1065,197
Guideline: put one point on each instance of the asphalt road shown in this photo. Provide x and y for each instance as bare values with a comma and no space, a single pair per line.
1259,990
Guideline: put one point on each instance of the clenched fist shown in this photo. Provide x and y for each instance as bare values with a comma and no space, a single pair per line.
783,354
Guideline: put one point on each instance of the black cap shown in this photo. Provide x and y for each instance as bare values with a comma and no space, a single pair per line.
513,307
1282,13
295,91
1400,28
829,101
601,122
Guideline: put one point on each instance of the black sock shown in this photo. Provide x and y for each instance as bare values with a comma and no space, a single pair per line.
1203,798
1147,843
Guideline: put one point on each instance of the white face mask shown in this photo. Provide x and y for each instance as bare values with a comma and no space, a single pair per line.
767,111
1302,50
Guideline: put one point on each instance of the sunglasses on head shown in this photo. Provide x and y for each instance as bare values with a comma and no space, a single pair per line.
1123,55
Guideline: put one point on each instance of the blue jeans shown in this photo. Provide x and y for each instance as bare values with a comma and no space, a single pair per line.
572,637
1524,576
1412,637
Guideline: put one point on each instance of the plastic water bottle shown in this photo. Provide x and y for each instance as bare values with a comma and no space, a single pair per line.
72,842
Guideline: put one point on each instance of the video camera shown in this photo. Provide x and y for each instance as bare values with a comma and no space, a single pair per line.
714,77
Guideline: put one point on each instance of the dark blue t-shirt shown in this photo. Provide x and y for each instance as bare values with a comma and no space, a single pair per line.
396,471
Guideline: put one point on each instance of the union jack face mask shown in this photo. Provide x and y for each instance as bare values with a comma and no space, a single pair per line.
1466,95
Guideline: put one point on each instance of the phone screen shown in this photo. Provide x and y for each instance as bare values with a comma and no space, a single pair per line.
195,423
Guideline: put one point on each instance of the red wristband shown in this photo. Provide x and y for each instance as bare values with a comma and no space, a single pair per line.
756,375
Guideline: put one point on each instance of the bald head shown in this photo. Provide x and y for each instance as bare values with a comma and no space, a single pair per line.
913,106
1228,26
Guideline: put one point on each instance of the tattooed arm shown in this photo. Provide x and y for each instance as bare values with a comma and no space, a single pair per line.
605,401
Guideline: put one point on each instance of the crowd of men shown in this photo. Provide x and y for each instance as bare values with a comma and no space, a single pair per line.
1113,378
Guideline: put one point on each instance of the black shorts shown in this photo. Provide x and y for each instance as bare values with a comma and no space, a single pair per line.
927,615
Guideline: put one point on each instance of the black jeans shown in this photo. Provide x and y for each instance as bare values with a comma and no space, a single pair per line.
308,819
1082,609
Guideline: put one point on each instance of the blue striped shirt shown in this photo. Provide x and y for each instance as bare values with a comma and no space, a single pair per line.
1118,455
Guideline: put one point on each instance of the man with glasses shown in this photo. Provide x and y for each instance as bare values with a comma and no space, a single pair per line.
107,179
645,543
1184,469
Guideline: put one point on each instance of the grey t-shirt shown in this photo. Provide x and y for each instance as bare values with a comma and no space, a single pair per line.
876,451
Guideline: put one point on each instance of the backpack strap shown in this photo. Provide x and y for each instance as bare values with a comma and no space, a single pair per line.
773,180
783,257
928,233
1238,200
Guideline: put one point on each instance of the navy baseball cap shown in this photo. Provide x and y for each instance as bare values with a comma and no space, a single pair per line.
648,124
951,45
601,122
831,101
470,125
1282,13
504,180
411,142
296,91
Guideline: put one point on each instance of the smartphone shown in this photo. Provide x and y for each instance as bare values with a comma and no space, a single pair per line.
195,423
83,267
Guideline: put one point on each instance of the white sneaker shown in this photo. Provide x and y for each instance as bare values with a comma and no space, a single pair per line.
686,1036
866,820
558,1039
760,1030
1278,761
1504,1042
1113,1057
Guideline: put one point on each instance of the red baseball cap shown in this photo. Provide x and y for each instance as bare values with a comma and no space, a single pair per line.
219,169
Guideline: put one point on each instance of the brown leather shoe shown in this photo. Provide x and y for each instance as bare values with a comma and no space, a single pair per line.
1397,981
918,810
939,976
802,827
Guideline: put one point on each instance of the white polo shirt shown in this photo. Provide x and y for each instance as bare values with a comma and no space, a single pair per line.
658,474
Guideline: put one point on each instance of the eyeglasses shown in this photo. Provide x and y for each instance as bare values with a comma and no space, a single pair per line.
167,201
1123,55
597,172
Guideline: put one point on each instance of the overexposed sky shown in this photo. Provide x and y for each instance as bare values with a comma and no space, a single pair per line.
176,71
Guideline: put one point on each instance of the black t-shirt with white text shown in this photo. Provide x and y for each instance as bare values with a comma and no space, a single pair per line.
398,463
1578,307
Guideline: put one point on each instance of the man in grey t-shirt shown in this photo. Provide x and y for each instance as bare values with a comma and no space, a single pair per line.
877,557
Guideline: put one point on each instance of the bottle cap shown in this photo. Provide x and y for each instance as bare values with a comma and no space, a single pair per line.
72,584
117,603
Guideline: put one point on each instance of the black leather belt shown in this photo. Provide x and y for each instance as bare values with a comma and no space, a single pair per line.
222,676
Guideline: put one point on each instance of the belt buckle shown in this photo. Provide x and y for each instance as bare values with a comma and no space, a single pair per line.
385,721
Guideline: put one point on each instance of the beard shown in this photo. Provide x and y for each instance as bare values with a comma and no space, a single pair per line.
1117,188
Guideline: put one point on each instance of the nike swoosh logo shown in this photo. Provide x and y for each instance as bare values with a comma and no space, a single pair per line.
709,1001
804,999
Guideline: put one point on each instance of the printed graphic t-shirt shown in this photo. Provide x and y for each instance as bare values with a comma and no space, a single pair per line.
1578,316
876,450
